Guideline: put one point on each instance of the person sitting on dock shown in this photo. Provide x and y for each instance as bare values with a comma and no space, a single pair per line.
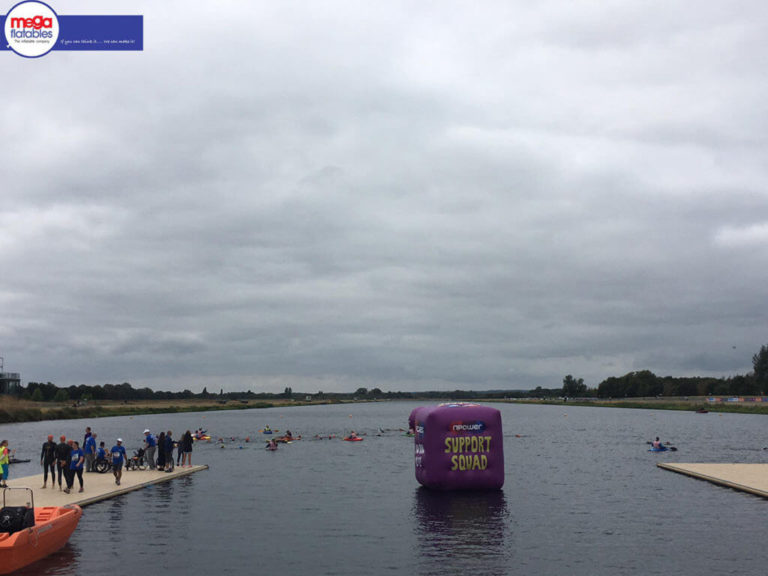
118,457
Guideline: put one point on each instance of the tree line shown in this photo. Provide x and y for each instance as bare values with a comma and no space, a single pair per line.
645,383
642,383
49,392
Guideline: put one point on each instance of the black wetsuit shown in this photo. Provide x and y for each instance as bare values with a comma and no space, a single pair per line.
48,460
62,460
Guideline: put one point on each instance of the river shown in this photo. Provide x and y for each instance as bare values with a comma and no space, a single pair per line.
582,496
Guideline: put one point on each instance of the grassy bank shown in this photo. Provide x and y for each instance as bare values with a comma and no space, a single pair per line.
16,410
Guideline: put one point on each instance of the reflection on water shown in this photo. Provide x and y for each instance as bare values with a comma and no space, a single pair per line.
65,561
459,530
115,508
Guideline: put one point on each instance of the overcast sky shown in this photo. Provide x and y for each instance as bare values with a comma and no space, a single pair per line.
406,195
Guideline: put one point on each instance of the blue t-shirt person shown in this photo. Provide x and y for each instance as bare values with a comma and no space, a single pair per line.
90,445
101,453
118,454
151,440
76,459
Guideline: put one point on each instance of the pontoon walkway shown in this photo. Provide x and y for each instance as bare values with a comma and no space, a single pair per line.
752,478
97,487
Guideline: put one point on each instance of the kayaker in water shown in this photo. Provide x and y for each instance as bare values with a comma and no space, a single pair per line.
656,443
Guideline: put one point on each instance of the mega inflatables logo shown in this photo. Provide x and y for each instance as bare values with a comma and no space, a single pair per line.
31,29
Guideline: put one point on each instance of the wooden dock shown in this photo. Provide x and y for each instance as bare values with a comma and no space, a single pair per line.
752,478
96,487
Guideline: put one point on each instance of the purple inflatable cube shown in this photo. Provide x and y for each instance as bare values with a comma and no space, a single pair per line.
459,447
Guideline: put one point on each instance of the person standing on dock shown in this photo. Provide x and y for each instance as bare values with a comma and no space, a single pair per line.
4,461
76,459
69,474
161,451
118,457
168,451
89,451
150,444
62,458
48,461
185,446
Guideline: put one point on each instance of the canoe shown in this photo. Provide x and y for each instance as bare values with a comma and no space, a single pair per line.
287,439
350,439
660,449
27,536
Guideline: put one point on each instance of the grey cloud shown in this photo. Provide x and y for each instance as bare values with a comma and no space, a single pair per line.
413,198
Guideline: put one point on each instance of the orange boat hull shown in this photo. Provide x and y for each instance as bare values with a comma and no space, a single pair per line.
53,527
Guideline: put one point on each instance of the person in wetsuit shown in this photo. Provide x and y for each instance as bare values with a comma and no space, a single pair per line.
48,461
62,459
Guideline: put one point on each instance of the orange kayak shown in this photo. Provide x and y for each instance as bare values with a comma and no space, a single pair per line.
286,439
22,543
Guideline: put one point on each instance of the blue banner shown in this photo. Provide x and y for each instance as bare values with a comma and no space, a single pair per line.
96,33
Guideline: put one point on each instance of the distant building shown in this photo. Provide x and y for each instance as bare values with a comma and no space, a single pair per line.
10,382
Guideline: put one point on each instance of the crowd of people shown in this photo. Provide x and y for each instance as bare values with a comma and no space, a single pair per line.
66,460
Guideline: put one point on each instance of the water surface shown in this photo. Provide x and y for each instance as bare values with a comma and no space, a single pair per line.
582,496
